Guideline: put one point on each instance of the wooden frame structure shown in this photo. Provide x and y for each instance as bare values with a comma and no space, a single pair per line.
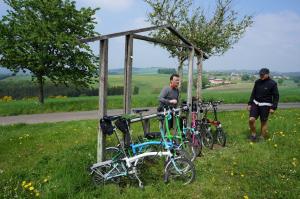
103,74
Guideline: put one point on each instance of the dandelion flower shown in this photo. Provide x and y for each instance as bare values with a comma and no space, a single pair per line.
31,188
27,185
23,183
246,197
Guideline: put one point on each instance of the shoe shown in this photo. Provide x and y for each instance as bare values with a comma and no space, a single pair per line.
253,138
262,138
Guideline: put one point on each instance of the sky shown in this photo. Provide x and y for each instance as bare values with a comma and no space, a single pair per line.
273,41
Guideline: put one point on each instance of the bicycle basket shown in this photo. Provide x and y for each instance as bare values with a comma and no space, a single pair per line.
106,126
123,125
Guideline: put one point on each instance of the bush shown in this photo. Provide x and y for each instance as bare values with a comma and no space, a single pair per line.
7,98
245,77
167,71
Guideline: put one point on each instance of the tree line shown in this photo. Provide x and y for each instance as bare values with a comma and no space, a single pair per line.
25,89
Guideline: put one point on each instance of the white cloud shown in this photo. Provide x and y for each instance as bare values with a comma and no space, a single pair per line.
272,41
140,22
111,5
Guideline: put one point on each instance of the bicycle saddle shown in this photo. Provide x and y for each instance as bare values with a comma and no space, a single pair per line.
140,110
153,135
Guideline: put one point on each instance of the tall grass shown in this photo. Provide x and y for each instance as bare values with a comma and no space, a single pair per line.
54,158
143,100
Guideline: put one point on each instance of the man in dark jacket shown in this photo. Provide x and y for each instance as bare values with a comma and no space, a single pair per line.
263,100
169,96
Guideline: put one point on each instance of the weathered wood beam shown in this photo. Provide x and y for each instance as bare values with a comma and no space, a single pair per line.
168,43
190,80
118,34
128,73
199,76
103,73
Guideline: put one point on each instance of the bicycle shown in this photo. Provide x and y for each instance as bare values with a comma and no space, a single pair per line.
126,166
220,133
204,127
192,134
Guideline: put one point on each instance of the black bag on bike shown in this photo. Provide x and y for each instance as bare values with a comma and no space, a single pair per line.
123,125
106,126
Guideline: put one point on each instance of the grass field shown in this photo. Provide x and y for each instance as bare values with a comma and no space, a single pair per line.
143,100
149,89
54,158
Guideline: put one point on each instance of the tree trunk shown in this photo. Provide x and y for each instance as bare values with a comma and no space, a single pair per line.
41,88
180,72
199,77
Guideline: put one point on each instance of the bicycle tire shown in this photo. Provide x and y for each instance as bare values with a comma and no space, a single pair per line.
113,153
208,139
180,169
221,137
197,145
187,146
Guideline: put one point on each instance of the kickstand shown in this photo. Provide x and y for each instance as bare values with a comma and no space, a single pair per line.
140,182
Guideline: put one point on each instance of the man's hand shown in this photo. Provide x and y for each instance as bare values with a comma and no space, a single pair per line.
249,107
173,101
271,111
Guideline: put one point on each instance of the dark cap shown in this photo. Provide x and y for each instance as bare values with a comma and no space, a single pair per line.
264,71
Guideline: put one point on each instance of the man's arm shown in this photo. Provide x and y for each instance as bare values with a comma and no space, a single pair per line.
275,94
163,95
252,95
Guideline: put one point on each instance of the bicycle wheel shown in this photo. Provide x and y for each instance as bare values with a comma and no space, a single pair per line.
197,145
187,146
179,169
207,139
109,172
221,137
113,153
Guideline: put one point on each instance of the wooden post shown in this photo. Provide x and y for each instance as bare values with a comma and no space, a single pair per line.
128,73
103,73
199,76
146,126
190,81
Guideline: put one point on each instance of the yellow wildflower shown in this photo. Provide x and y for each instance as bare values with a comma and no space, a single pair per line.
246,197
31,188
23,183
37,194
45,180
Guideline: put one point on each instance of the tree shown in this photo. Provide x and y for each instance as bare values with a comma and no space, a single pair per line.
214,35
245,77
42,36
280,81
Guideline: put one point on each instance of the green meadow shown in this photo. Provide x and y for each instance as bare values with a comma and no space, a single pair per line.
149,89
53,159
